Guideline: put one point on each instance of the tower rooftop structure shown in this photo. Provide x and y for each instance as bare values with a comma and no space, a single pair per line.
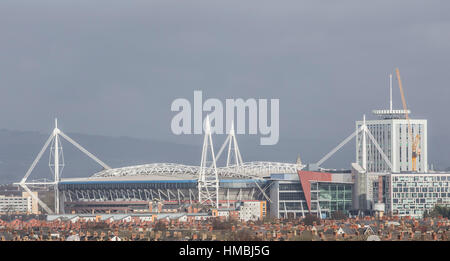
394,132
391,114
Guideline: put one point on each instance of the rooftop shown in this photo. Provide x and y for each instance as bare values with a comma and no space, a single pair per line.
391,114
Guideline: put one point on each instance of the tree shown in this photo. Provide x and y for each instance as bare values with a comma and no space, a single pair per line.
244,235
304,236
438,210
221,225
338,215
310,219
160,226
268,219
100,225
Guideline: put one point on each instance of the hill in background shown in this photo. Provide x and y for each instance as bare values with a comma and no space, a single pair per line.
19,148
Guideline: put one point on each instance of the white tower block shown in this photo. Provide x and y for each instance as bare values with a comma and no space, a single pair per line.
208,179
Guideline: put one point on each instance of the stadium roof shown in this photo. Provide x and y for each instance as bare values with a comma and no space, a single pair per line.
253,170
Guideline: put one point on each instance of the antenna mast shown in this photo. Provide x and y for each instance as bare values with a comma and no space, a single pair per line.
390,89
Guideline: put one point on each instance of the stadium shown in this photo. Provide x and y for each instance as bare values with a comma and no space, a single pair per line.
134,194
166,186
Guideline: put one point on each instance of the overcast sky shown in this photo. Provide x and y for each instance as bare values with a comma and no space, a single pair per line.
114,67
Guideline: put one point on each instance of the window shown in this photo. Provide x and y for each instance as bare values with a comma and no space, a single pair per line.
290,186
340,195
348,195
324,204
291,196
333,206
348,205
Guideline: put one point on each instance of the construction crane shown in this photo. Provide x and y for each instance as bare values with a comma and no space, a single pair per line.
415,141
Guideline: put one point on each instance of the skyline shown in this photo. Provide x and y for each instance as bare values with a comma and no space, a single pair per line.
227,128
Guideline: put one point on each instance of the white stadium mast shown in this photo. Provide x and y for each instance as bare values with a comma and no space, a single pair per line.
208,179
233,148
365,131
56,152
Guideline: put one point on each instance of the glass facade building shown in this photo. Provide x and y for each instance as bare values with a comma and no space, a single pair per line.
334,197
413,194
289,199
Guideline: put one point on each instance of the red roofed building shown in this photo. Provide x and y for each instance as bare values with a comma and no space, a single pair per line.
306,177
310,192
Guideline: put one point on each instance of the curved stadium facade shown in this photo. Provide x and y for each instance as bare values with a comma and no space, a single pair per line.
287,195
136,193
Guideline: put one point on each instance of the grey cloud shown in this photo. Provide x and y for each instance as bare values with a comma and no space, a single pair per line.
114,67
